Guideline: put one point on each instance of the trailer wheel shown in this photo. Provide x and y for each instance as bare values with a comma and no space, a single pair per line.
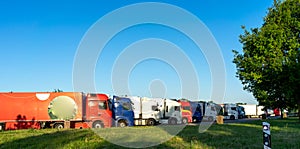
173,121
122,123
232,117
98,125
2,126
151,122
59,125
43,125
184,121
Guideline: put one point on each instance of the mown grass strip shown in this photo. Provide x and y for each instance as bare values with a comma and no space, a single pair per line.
285,134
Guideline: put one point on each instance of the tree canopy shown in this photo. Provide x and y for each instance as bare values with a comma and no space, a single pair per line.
57,90
268,65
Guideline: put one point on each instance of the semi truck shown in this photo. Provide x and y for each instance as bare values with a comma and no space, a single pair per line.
186,111
169,111
203,110
58,110
122,113
152,111
230,111
252,110
197,114
209,111
146,111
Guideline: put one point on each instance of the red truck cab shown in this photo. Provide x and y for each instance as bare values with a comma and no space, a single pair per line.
98,112
186,111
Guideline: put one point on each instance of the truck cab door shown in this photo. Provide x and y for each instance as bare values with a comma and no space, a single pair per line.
93,108
100,110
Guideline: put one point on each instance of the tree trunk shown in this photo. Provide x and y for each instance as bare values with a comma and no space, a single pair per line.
281,113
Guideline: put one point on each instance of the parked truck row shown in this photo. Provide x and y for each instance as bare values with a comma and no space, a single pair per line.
79,110
65,109
238,111
92,110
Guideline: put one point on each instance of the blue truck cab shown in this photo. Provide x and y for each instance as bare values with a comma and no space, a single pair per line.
122,112
196,111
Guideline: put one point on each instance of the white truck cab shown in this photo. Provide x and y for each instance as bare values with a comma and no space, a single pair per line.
170,111
145,110
230,111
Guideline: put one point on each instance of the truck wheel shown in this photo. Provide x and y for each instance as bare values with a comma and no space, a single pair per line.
59,125
151,122
232,117
184,121
98,125
172,121
43,125
2,126
122,123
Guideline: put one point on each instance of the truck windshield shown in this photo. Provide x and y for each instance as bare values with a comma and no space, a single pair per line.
102,105
126,106
177,108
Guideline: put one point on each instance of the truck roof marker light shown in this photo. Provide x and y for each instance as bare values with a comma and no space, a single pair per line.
42,96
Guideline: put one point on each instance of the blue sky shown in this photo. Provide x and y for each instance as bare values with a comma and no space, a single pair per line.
39,40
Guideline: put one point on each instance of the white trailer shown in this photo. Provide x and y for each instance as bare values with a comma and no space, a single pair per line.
230,111
253,110
209,111
145,110
170,111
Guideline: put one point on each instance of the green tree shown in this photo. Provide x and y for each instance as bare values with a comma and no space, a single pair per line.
269,65
57,90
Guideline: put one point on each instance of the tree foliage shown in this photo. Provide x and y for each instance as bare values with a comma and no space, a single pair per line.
269,64
57,90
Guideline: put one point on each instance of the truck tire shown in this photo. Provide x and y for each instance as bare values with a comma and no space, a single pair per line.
232,117
185,121
122,123
43,125
151,122
172,121
98,125
2,126
59,125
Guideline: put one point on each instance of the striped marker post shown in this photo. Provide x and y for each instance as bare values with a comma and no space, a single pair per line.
266,135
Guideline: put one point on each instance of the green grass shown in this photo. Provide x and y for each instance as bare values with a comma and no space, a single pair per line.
285,133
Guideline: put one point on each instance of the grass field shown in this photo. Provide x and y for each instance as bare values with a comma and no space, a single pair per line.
285,133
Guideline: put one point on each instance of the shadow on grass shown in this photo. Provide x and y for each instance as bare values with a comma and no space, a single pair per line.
51,138
33,138
54,139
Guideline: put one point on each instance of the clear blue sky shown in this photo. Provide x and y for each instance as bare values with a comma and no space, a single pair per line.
39,40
